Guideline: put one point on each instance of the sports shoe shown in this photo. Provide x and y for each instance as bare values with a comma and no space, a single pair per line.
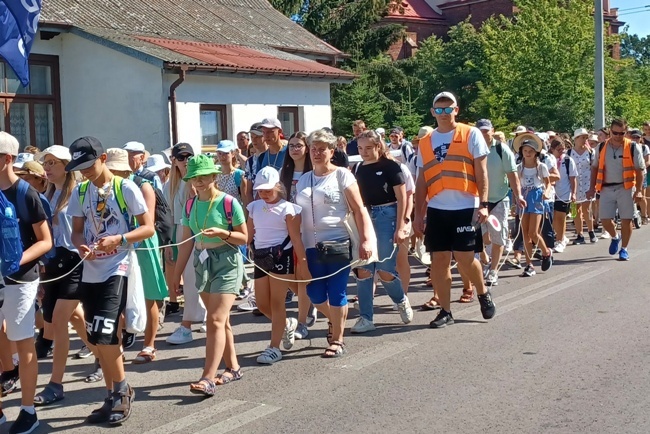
181,335
514,263
508,248
363,325
203,328
244,293
605,235
172,308
289,298
9,381
492,278
579,240
565,240
128,339
312,316
289,336
269,356
24,424
529,271
547,262
443,319
301,331
614,244
623,255
559,247
395,308
405,311
43,346
592,237
488,308
249,305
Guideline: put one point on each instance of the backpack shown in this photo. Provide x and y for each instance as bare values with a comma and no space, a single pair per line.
227,208
602,145
23,213
499,147
147,174
591,155
163,221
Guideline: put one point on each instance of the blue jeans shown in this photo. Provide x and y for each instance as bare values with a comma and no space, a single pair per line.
384,220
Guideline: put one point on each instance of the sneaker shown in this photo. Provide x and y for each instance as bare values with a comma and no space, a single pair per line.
623,255
529,271
172,308
244,293
559,247
592,237
24,424
9,381
579,240
289,298
289,336
488,308
405,311
565,240
128,339
514,263
249,305
203,328
301,331
269,356
443,319
508,248
312,316
363,325
537,253
181,335
547,262
43,346
492,278
605,235
614,244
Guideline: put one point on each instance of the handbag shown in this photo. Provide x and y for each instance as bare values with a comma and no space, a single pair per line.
266,258
329,252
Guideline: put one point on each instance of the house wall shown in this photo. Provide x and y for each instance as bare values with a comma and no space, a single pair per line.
479,11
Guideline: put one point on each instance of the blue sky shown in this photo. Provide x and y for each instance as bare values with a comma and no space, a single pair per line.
637,19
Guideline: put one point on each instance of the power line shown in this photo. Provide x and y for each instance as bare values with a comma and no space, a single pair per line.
633,13
634,8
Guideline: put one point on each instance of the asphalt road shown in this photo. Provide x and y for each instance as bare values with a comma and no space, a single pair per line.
567,352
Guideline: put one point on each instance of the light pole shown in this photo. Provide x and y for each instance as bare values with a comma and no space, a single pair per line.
599,85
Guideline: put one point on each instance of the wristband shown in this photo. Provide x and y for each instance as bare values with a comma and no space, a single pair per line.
229,233
124,241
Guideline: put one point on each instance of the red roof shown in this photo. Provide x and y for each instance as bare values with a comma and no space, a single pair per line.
236,58
414,10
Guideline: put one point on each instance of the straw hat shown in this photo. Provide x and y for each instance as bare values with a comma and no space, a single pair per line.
527,139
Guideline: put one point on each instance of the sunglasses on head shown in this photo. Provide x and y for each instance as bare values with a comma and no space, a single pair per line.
446,110
618,133
183,157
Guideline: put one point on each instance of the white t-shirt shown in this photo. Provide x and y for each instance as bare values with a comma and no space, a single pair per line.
270,221
453,199
408,178
532,177
177,203
114,263
563,186
62,229
551,162
330,205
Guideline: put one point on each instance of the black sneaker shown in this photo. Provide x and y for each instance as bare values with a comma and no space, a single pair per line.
172,308
529,271
24,424
102,414
537,253
488,308
547,262
128,340
43,347
289,298
9,381
592,237
580,240
443,319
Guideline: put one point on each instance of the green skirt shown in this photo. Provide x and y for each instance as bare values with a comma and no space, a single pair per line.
150,262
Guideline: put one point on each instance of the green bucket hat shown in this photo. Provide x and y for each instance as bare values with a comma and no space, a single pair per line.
200,165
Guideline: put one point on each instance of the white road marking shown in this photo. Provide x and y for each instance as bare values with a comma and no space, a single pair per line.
373,355
199,416
240,420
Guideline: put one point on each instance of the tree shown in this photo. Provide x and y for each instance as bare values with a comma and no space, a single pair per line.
636,48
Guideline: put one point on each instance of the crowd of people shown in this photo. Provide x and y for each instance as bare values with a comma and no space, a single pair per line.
306,210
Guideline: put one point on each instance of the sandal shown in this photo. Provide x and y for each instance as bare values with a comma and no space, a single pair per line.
467,297
48,396
97,375
204,386
428,283
432,304
228,375
338,352
121,412
147,355
329,333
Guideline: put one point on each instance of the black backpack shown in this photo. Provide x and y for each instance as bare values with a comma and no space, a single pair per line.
163,218
147,174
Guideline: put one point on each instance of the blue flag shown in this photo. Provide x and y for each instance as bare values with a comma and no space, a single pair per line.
18,24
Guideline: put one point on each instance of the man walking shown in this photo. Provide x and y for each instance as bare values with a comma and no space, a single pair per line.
358,127
136,162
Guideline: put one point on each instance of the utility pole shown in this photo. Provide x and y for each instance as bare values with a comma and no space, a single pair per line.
599,85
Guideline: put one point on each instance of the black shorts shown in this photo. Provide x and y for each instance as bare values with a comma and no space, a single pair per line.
284,265
67,288
450,231
103,305
560,206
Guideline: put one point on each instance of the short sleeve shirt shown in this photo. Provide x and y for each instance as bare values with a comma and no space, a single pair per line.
211,213
270,221
377,181
498,169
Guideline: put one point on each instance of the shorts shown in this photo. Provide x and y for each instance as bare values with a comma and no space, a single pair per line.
18,310
500,210
103,306
561,206
450,230
534,201
284,265
67,288
221,272
334,288
615,197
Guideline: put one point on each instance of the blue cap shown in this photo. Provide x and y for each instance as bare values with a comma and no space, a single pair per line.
484,124
226,146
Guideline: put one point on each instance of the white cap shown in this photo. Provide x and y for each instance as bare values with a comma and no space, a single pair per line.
271,123
23,158
156,162
266,179
447,95
580,132
134,147
519,130
57,151
380,131
117,159
8,144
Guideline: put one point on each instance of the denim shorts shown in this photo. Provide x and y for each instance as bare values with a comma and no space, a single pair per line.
534,201
332,289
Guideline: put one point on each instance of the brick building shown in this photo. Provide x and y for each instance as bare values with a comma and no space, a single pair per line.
424,18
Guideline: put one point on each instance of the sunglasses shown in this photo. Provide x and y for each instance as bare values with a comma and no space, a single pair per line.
446,110
182,157
618,133
102,210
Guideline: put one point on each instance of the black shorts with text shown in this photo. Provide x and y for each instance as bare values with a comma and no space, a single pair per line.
283,265
450,230
103,305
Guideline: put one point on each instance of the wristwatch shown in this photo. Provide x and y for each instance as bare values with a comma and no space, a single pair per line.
485,204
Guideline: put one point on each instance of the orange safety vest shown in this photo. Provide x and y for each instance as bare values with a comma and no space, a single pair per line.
629,173
456,172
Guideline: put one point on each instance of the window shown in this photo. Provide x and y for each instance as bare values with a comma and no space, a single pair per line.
32,114
288,117
213,124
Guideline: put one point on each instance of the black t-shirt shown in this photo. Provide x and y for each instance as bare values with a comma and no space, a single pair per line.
353,147
28,272
376,181
340,159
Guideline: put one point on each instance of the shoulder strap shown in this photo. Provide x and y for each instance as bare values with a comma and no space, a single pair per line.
119,195
499,150
188,206
83,188
238,178
600,147
21,196
567,163
227,208
356,168
568,153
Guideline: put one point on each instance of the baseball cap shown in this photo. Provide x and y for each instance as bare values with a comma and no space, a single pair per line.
447,95
380,131
118,159
256,129
266,179
580,132
484,124
226,146
57,151
134,147
84,151
636,132
8,144
271,123
182,148
23,158
395,131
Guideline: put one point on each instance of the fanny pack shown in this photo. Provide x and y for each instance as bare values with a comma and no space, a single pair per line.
334,252
266,258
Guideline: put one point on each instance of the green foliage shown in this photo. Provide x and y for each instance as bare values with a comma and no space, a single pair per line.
636,48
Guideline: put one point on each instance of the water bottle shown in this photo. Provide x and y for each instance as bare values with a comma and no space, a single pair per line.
12,247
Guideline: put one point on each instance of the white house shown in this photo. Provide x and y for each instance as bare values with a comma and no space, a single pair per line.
166,71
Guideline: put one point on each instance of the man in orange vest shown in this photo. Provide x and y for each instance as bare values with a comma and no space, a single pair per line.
616,171
453,175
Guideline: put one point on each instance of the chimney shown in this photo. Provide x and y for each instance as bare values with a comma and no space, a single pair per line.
606,6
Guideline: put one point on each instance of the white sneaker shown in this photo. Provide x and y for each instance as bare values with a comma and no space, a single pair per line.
405,311
289,336
395,307
509,246
559,247
492,278
181,335
565,240
248,306
363,325
269,356
605,235
302,332
204,328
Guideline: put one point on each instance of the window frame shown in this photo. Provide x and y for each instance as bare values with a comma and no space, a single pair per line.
223,108
295,111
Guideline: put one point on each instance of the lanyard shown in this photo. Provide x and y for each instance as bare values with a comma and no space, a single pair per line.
207,214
